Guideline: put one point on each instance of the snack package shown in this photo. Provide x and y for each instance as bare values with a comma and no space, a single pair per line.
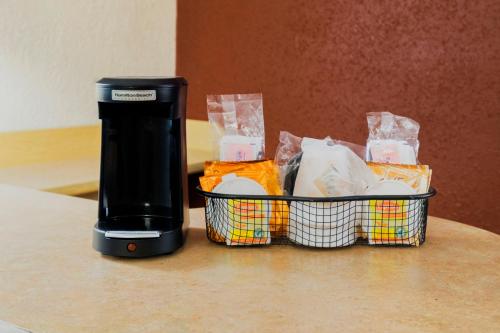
289,154
322,224
238,126
392,222
247,215
246,221
392,139
417,176
331,170
328,169
396,221
328,141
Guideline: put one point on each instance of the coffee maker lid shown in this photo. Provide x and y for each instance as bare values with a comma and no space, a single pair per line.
138,89
137,82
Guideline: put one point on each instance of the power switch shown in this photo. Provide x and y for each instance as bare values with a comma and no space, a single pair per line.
131,247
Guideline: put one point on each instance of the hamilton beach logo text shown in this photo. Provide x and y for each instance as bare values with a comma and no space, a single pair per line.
133,95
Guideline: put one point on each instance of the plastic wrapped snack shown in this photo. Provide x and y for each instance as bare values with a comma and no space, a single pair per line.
392,139
289,154
393,221
238,126
328,170
263,215
287,158
245,222
416,176
396,221
323,224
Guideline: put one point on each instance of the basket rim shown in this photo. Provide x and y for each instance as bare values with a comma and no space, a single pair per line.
432,192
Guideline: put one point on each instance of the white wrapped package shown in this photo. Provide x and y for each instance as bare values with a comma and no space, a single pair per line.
322,224
334,170
328,170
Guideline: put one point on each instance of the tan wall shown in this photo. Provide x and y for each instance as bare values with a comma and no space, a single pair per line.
53,51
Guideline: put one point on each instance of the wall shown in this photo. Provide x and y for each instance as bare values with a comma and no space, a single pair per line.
53,51
323,64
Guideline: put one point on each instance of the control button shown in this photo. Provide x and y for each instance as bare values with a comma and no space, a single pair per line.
131,247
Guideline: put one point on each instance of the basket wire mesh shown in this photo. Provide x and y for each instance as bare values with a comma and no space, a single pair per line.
316,222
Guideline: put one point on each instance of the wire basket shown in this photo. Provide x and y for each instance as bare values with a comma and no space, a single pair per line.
249,220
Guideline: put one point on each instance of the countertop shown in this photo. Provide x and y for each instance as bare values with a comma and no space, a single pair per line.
53,281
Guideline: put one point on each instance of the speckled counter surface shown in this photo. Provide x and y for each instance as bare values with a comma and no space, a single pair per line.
51,280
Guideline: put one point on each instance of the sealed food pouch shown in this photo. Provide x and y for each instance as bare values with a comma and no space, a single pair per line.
237,123
244,221
263,173
392,138
417,176
393,221
217,168
397,221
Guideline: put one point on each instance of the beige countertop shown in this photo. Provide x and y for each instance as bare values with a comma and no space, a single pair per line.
53,281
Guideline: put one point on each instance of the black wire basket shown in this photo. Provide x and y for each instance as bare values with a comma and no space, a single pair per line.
249,220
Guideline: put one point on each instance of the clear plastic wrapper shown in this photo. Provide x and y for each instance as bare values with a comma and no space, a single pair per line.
287,158
289,154
329,169
392,139
237,123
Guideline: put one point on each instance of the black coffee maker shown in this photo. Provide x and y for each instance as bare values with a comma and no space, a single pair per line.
143,206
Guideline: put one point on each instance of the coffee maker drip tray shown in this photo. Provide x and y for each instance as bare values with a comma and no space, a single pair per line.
136,243
131,234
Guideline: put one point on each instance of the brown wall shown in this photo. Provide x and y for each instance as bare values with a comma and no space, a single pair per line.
323,64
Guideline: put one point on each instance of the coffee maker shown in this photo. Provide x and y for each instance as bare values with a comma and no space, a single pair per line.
143,205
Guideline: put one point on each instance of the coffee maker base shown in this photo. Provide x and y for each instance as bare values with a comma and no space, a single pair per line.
135,244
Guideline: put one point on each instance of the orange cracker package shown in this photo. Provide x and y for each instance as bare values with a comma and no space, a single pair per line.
417,176
397,221
264,173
